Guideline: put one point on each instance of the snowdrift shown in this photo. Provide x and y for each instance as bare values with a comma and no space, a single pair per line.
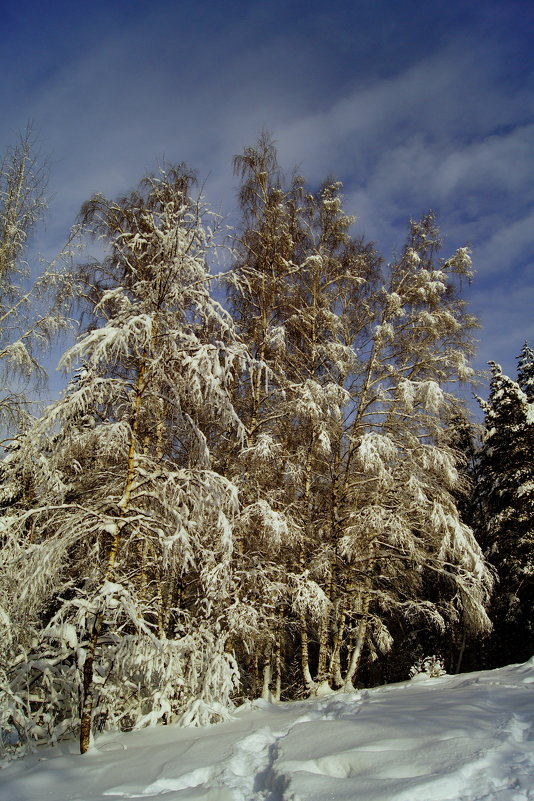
454,738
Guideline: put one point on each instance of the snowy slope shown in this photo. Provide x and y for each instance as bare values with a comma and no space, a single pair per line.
455,738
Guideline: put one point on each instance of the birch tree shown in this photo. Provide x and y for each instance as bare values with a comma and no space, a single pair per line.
266,493
400,519
129,566
32,308
265,248
355,413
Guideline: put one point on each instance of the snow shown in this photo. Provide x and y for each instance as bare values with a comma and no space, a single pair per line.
454,738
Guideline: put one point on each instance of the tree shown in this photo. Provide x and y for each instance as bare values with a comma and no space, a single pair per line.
350,416
525,371
32,309
464,647
266,494
265,256
126,578
506,492
409,559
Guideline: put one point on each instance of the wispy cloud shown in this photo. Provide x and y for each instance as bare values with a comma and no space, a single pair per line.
411,108
444,134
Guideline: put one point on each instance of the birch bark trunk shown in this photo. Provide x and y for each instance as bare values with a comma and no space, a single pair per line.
87,703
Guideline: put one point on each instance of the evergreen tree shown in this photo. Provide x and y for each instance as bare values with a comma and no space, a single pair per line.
506,490
525,371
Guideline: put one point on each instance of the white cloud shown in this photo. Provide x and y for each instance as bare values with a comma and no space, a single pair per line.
507,321
448,131
509,248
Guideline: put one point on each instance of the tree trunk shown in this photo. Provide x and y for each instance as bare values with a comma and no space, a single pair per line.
356,655
267,675
336,678
87,704
305,654
324,632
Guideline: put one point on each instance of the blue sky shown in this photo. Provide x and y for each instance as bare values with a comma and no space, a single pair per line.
413,105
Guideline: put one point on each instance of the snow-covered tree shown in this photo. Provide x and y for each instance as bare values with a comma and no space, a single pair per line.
29,317
506,491
525,371
123,551
350,416
403,533
256,287
266,493
325,313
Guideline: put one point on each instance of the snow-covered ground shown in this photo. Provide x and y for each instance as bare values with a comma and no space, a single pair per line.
455,738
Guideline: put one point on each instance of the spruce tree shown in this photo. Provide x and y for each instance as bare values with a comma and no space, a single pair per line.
507,493
525,371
